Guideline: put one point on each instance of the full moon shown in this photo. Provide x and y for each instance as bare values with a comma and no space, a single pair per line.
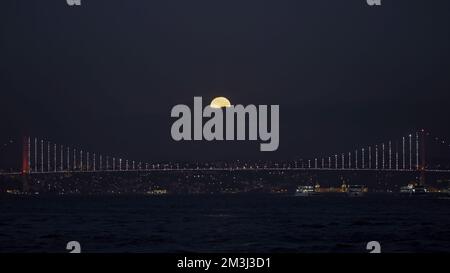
220,102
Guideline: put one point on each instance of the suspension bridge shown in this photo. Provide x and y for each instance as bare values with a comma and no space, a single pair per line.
405,154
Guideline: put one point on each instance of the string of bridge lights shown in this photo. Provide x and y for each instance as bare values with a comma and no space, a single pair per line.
6,144
401,154
439,140
44,156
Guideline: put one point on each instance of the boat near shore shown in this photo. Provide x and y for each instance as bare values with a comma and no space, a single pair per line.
305,191
356,190
413,189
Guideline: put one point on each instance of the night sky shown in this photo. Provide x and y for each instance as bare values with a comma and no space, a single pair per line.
104,76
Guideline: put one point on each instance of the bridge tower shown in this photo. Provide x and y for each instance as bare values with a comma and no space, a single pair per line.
26,155
423,158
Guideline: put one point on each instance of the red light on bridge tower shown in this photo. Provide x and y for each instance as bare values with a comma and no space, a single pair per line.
26,156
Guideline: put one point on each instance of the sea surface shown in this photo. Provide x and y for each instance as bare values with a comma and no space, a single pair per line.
225,223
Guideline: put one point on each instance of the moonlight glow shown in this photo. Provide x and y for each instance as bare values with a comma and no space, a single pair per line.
220,102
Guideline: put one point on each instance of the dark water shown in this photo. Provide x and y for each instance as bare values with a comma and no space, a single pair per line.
225,223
